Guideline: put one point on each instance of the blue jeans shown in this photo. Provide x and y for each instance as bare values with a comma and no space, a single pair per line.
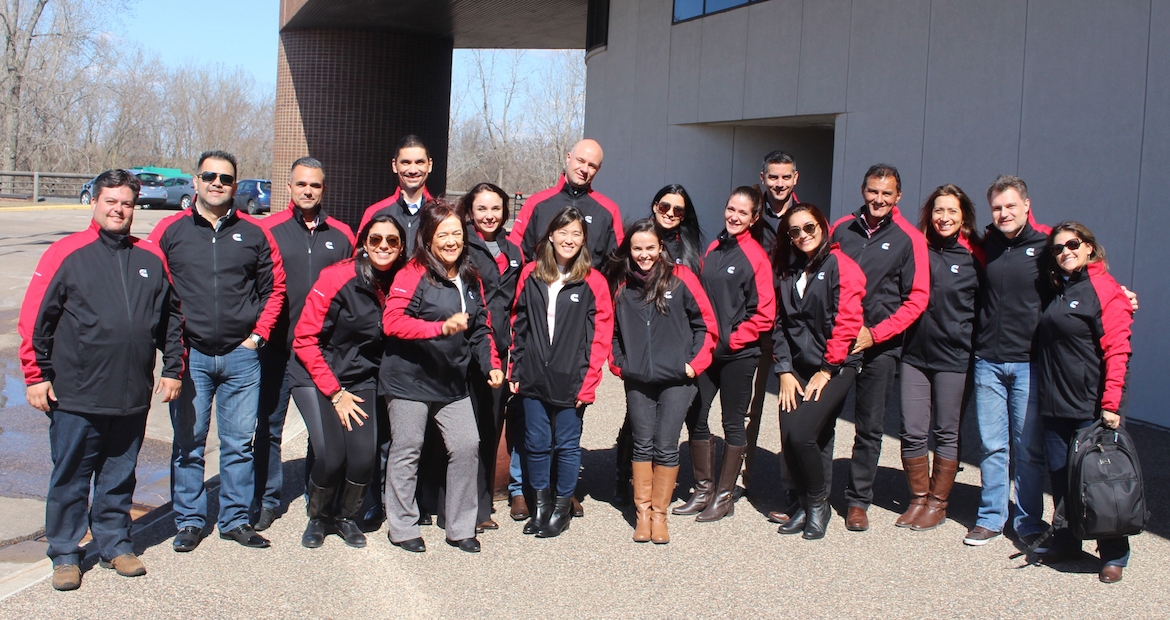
550,430
515,429
233,381
273,409
1009,426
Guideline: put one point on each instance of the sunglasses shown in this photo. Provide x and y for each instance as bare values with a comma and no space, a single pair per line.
375,241
1072,244
807,229
225,179
665,208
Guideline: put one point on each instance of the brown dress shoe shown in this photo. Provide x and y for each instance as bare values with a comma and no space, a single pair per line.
578,509
519,509
126,565
66,577
490,524
1110,573
856,520
779,517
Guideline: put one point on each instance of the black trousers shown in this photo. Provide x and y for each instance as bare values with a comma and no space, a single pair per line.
932,395
340,454
488,405
655,415
807,430
732,381
97,449
878,370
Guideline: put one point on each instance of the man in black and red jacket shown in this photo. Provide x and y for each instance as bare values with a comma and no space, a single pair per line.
574,189
894,257
412,165
309,241
98,306
227,271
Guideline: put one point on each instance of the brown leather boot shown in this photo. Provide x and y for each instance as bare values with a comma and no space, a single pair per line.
935,511
664,479
643,480
918,478
703,462
723,504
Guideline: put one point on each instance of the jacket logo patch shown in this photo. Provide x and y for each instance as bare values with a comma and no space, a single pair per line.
514,263
1073,304
575,298
668,295
588,219
399,290
329,245
954,269
1030,251
886,245
237,237
731,269
821,276
678,261
144,273
470,295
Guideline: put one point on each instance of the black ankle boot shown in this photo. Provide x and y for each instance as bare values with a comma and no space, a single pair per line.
351,503
819,514
559,521
540,516
796,519
320,510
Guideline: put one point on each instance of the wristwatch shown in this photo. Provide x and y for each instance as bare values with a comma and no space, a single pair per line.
257,340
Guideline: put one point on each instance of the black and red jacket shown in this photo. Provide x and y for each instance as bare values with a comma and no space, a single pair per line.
568,369
1082,347
737,276
602,216
817,330
97,307
230,281
303,255
766,227
498,275
897,271
420,363
339,338
652,347
673,241
943,338
395,204
1010,297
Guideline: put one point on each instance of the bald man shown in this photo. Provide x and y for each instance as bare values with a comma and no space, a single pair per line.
574,189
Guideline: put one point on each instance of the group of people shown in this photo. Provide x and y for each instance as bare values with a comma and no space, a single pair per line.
407,346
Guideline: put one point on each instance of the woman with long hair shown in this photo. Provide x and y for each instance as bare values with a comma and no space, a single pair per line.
562,331
819,291
664,333
737,277
437,325
338,343
938,354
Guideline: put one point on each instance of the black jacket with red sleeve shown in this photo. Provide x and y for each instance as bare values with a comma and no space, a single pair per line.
737,276
816,330
1011,292
652,347
395,204
420,363
230,280
897,271
303,254
498,275
943,338
97,307
339,339
567,369
1082,347
602,216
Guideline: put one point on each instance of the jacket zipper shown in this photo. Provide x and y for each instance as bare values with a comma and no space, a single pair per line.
129,314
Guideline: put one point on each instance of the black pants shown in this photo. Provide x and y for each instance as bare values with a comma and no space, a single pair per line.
351,455
808,429
732,381
655,415
270,416
488,405
928,394
103,449
878,370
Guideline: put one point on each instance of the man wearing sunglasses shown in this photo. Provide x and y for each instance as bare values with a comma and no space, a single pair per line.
227,271
309,241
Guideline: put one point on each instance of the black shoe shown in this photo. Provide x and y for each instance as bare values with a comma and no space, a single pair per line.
413,545
267,516
314,535
540,516
349,531
795,523
425,519
246,536
372,520
562,515
819,513
187,539
470,545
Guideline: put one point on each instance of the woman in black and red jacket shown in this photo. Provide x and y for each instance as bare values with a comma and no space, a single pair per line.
1082,354
738,279
499,264
438,327
938,356
664,334
819,290
562,331
338,344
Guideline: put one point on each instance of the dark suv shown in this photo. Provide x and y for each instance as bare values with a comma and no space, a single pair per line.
254,196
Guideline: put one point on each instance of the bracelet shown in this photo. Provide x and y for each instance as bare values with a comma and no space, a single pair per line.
337,396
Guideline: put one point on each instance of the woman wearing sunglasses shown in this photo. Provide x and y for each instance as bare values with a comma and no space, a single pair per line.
664,334
819,291
338,341
438,327
938,355
1082,354
737,277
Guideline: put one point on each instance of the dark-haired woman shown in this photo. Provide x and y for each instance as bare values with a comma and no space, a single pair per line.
562,331
338,341
819,290
937,356
664,334
437,324
1082,360
737,277
499,263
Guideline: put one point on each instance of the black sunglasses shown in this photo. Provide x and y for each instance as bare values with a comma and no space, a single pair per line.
1072,244
375,241
666,207
807,229
208,177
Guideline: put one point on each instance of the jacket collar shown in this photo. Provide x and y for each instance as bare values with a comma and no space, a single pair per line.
573,191
111,240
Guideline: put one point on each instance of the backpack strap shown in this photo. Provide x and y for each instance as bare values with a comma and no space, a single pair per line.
1058,522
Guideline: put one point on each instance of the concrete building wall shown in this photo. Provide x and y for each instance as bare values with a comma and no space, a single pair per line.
1073,96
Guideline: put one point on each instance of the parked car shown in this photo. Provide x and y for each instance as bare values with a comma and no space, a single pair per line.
254,196
152,193
180,192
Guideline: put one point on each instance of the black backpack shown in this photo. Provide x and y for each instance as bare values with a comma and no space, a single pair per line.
1106,497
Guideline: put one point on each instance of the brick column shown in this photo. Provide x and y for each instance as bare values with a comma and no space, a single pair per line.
347,97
